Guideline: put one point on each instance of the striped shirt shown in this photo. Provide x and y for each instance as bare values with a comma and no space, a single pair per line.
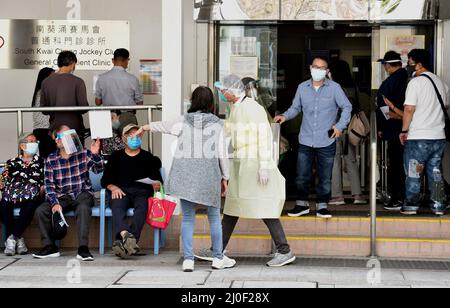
70,176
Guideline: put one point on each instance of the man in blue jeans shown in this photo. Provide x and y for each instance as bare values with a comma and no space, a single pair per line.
320,100
423,134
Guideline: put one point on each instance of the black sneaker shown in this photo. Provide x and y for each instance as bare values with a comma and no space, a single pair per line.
439,213
324,213
299,211
84,254
50,251
408,212
394,206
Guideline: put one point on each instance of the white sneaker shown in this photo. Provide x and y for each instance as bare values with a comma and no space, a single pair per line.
10,246
224,263
21,247
188,266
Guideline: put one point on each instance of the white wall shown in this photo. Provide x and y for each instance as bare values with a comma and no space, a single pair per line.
16,86
145,16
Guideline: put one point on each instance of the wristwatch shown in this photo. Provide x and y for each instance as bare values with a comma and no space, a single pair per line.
405,131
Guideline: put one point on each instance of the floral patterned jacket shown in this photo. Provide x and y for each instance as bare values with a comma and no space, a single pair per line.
22,181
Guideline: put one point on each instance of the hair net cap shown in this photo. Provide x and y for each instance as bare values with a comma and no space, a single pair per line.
233,84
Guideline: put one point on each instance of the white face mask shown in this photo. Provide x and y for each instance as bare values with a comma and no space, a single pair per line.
32,148
318,74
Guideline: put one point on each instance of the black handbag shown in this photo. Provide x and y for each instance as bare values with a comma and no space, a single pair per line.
447,119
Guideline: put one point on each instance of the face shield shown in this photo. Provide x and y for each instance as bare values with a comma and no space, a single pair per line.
70,141
251,90
259,93
233,85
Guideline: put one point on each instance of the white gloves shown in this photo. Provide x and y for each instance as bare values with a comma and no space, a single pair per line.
263,176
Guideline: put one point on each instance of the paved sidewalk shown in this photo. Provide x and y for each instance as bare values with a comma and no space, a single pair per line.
165,271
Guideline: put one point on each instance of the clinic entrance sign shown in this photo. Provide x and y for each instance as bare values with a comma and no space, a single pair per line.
289,10
34,44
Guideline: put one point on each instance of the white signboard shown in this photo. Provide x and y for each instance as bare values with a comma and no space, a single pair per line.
34,44
244,67
100,124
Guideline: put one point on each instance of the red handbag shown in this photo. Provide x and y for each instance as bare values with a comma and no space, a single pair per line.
160,210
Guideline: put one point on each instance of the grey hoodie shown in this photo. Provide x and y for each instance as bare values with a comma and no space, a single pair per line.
196,173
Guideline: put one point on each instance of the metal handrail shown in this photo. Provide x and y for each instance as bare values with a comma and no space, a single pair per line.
21,111
373,184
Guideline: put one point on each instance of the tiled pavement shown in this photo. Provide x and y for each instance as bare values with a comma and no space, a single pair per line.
165,271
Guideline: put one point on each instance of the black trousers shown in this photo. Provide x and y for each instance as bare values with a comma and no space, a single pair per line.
27,210
137,198
275,228
82,206
396,170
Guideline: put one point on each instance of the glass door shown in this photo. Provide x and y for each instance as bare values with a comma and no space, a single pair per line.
249,51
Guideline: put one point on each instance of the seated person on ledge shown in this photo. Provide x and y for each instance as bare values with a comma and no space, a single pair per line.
68,188
122,173
22,187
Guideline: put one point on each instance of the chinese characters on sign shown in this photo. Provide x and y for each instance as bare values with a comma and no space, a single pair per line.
33,44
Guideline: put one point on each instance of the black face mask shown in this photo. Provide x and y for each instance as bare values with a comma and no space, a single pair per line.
411,70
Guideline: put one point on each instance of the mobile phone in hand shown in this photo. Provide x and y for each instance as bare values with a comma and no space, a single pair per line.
331,133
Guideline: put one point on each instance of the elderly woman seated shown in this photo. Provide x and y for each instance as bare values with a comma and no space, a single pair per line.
22,187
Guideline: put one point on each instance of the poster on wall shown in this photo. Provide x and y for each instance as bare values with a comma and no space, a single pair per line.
151,76
244,66
404,44
244,46
206,10
35,44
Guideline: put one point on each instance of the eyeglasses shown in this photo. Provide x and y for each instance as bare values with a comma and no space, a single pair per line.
322,68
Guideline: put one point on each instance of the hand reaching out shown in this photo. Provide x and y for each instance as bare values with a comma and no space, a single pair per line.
95,147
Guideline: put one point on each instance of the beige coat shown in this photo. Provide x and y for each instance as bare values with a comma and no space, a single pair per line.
252,142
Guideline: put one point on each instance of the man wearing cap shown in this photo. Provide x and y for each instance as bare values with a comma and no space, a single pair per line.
68,188
123,173
393,89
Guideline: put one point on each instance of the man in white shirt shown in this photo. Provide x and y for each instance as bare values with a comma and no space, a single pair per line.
423,134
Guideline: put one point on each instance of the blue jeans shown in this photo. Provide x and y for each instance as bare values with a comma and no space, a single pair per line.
325,162
421,156
188,226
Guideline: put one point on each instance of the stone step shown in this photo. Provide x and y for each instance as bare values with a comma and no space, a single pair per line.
252,245
387,227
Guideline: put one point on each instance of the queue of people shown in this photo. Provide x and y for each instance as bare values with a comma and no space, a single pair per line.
414,128
204,170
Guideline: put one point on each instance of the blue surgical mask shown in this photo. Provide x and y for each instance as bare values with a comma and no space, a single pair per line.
32,148
318,74
134,143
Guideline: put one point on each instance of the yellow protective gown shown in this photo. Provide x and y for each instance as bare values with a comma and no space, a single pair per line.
252,141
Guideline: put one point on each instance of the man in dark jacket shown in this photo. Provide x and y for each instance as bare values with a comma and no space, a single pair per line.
123,177
393,89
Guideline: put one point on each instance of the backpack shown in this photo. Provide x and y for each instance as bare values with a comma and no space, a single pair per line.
359,129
